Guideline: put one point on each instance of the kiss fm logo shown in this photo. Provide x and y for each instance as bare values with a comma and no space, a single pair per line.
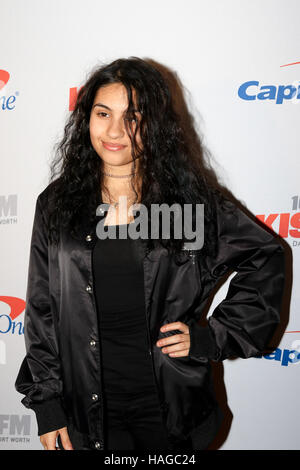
73,93
8,209
7,101
286,224
253,90
15,428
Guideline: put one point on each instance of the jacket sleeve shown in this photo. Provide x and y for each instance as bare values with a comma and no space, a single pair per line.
243,323
39,377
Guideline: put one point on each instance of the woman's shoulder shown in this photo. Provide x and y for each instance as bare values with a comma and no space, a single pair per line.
46,195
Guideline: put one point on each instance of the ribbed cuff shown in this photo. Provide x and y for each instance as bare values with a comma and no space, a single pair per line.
203,345
50,415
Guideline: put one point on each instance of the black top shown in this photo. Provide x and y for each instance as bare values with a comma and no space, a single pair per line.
119,291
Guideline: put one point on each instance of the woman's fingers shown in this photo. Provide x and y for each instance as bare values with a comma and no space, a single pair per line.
183,353
176,348
48,440
178,325
176,345
65,440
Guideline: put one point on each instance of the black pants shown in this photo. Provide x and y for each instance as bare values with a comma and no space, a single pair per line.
136,423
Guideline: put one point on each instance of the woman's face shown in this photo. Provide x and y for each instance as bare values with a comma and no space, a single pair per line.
107,125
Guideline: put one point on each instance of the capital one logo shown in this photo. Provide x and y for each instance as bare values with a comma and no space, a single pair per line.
7,101
253,90
8,323
4,77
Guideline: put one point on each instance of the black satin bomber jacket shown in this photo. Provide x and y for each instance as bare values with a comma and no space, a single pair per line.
60,375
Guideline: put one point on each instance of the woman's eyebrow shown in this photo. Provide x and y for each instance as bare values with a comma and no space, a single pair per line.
106,107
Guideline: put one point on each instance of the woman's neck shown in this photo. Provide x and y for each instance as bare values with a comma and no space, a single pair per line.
116,181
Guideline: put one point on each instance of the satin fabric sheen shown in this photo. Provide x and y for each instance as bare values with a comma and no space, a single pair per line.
61,370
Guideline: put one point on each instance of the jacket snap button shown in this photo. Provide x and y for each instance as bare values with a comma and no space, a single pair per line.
95,397
88,289
99,445
88,238
92,343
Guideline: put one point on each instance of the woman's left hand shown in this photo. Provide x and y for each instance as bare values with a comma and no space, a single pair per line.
180,342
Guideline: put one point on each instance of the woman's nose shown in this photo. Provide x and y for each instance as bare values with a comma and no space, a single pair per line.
116,129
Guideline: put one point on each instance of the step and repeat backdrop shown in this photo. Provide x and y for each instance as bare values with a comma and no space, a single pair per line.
239,63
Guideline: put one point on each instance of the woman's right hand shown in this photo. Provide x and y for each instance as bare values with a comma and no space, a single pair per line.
48,440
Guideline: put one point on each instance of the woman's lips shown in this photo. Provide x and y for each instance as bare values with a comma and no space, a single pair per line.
113,147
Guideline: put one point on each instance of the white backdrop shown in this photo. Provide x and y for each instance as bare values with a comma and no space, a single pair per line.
48,47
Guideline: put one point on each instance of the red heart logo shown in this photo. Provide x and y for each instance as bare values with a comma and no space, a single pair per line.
4,77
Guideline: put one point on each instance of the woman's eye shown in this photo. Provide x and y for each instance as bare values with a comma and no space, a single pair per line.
102,113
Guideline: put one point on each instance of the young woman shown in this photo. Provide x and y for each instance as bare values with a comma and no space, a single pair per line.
115,355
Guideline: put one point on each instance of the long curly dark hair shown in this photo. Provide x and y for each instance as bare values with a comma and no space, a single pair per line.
173,165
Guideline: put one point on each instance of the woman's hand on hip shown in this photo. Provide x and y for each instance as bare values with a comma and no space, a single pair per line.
175,345
48,440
